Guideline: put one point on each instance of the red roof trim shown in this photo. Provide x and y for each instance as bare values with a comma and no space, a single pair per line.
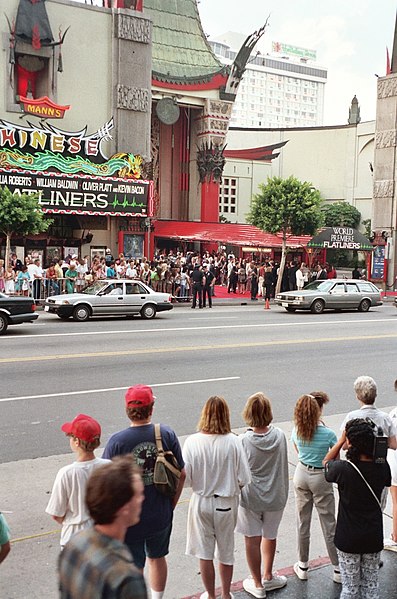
261,153
234,234
216,82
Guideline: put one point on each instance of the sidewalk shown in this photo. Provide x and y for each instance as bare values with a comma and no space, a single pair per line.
30,569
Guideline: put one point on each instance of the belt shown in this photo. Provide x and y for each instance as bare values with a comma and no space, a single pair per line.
311,467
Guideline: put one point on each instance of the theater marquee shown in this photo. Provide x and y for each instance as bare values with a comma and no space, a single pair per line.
71,173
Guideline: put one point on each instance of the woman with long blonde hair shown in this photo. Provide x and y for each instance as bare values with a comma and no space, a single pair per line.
216,469
312,441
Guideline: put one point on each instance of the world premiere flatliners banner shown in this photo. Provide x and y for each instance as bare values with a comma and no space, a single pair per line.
70,171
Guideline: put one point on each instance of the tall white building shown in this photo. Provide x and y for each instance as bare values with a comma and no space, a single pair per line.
281,89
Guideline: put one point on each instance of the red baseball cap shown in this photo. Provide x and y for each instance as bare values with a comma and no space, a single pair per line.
139,396
83,427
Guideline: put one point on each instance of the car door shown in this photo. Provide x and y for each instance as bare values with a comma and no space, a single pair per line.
336,296
135,296
353,296
110,300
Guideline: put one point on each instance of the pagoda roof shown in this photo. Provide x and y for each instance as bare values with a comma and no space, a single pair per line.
181,53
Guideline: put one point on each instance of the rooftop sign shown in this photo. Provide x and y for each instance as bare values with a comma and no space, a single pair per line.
281,48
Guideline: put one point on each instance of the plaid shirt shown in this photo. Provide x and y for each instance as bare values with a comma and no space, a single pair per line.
95,565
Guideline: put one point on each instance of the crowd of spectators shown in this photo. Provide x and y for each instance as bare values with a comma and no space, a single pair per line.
167,272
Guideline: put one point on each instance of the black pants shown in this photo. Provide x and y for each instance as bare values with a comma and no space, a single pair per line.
207,292
197,292
254,289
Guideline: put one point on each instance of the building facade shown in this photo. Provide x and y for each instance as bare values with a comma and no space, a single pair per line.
337,160
282,89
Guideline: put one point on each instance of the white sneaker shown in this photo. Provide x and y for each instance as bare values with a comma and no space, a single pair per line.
389,543
249,587
337,577
276,582
301,572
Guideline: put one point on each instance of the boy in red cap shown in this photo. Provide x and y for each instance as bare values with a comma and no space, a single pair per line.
67,502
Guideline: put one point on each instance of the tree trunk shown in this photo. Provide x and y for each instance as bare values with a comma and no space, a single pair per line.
282,264
8,250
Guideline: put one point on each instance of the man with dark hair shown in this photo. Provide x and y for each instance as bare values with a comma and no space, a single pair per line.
197,279
96,562
151,537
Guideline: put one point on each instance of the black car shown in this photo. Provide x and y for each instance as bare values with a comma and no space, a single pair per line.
16,310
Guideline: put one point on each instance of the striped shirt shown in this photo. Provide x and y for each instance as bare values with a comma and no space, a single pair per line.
314,451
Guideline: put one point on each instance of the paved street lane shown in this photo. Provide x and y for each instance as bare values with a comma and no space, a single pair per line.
61,368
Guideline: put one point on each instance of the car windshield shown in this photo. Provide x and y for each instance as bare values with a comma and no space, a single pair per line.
94,288
319,286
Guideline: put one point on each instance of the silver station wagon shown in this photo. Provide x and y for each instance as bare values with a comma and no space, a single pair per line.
110,297
331,294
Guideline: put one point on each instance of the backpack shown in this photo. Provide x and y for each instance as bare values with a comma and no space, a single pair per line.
167,471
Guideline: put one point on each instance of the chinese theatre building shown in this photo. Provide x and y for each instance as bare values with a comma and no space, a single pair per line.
75,117
116,115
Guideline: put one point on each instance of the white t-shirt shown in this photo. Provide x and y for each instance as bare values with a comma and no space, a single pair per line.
131,273
392,453
68,497
215,464
382,419
34,269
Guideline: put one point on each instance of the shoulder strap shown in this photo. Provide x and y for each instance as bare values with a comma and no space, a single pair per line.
159,442
368,485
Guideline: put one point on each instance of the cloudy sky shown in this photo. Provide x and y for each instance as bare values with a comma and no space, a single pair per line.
350,37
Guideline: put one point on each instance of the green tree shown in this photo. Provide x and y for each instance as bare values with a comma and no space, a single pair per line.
20,214
341,214
289,207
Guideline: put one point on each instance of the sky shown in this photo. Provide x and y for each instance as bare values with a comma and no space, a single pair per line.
350,37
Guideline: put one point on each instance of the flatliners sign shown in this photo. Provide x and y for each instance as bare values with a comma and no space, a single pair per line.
340,238
82,194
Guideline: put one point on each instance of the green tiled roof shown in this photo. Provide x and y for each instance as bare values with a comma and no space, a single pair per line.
181,53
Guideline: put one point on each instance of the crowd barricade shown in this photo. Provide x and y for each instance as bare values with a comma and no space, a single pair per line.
41,289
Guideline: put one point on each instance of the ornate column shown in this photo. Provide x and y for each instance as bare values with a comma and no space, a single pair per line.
384,209
211,137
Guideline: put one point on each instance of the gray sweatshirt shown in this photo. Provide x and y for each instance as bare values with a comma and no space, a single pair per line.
268,460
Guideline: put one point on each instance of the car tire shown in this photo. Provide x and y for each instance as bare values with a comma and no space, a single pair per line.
3,324
317,306
63,316
364,306
289,309
148,311
81,313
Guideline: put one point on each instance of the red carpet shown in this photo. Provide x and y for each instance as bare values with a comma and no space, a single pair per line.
221,293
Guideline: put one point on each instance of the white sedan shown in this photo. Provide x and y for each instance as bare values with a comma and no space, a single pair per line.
110,297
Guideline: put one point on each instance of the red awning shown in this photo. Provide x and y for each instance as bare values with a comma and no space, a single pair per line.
233,234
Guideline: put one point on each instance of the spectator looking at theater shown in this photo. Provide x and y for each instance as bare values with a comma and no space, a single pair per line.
263,500
366,391
312,440
392,460
96,563
67,502
149,540
359,528
5,546
216,470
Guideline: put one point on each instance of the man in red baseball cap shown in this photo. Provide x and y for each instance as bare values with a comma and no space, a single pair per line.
67,502
149,539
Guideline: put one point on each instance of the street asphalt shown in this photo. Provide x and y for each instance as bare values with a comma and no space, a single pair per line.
46,360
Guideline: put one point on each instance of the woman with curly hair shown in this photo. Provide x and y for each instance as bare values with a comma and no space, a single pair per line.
359,527
312,440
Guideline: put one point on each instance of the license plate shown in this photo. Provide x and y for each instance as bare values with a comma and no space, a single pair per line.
46,308
284,304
